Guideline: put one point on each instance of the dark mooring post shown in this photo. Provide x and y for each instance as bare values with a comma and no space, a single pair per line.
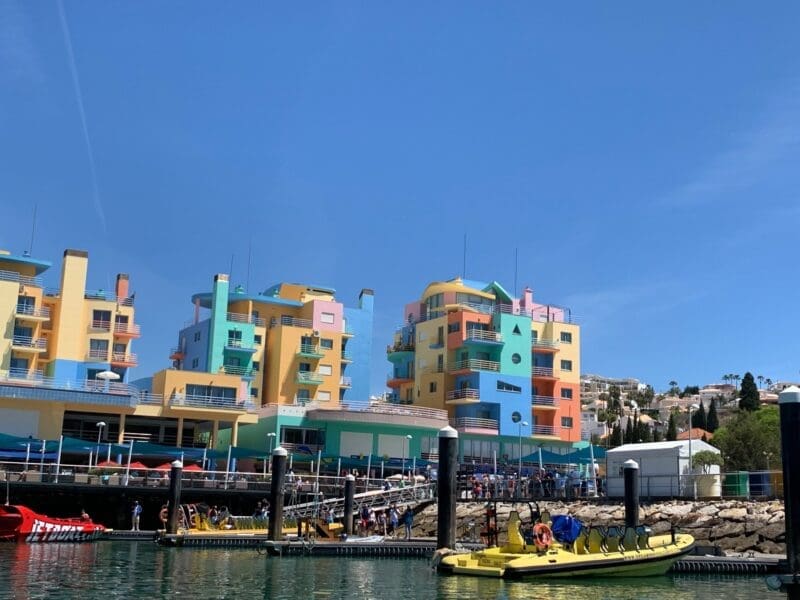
174,496
631,472
446,504
349,494
276,493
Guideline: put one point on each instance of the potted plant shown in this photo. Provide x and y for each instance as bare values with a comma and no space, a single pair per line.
708,483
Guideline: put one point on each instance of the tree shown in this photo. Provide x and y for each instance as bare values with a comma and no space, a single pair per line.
690,390
768,382
616,436
712,420
674,390
760,380
750,439
749,398
658,436
705,459
726,378
699,417
628,437
672,428
647,395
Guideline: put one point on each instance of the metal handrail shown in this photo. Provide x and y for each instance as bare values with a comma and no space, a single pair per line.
127,328
484,335
475,364
195,401
311,377
100,325
543,430
543,371
538,400
309,349
32,311
237,370
244,318
123,357
294,322
473,423
21,279
545,343
105,296
98,355
345,381
388,408
464,394
29,342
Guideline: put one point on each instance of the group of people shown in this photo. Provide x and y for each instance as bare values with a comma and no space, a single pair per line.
385,521
543,483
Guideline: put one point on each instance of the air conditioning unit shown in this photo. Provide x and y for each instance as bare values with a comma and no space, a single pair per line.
315,333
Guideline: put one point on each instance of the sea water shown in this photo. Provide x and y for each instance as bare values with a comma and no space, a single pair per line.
106,569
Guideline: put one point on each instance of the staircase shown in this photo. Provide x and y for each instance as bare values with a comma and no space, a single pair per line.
378,499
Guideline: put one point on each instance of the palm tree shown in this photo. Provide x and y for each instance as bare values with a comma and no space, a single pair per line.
769,382
736,378
760,380
672,385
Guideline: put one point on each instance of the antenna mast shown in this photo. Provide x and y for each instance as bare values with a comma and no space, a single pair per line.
33,230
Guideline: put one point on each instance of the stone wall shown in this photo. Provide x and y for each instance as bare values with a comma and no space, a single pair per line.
734,526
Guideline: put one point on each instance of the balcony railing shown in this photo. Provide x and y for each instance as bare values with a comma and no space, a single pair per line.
475,364
473,423
215,402
128,329
24,341
100,325
464,394
238,344
237,370
101,295
542,371
401,347
345,382
21,279
537,400
29,310
97,355
347,356
34,386
550,344
243,318
309,378
310,351
482,335
293,322
389,408
124,358
544,430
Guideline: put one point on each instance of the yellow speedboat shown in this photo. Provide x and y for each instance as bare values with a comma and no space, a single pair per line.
595,552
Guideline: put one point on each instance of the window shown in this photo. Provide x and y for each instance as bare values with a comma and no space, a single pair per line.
98,349
254,392
516,358
101,319
325,370
566,337
503,386
303,396
304,367
257,340
566,393
566,422
196,336
323,396
326,344
566,365
256,365
326,318
534,336
440,363
195,362
92,373
234,338
211,392
432,387
453,327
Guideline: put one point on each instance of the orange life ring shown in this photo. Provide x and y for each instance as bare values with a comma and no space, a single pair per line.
542,536
163,515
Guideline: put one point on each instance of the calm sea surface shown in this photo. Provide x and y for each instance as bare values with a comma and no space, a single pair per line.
144,570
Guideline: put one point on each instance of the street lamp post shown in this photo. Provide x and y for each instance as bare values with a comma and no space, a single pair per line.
407,438
691,408
99,425
521,424
267,466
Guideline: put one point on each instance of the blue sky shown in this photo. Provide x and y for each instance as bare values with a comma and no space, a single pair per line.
643,160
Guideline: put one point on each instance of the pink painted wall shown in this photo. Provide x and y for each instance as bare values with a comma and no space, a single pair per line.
321,306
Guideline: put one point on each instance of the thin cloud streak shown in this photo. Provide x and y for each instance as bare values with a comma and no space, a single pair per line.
79,97
777,135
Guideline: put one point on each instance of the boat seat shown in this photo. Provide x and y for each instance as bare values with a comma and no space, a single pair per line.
613,539
642,537
630,539
545,518
594,543
579,545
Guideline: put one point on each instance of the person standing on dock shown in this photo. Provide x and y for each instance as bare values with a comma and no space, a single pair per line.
408,520
135,515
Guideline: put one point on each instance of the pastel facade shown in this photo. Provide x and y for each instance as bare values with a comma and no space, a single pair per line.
291,344
493,362
56,341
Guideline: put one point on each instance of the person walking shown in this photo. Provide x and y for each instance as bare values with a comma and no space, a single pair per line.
135,515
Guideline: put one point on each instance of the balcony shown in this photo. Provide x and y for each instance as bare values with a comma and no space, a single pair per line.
239,370
400,351
237,345
310,351
473,425
293,322
543,373
346,382
95,355
24,343
177,354
463,396
309,378
100,326
102,295
127,330
347,356
28,312
544,431
481,336
546,402
474,364
212,402
20,279
548,346
243,318
124,359
396,379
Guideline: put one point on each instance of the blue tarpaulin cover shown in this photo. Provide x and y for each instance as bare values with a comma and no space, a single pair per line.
566,529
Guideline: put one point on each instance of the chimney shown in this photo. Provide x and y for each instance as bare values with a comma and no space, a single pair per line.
122,288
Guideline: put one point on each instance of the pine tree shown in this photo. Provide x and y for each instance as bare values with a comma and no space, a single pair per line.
712,420
699,417
748,396
672,428
658,436
628,437
616,436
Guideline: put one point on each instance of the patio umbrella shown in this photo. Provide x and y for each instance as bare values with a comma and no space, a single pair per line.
194,468
108,463
138,465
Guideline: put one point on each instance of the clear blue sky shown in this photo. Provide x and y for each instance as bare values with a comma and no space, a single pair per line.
643,159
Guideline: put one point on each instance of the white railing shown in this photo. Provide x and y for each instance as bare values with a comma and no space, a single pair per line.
543,430
100,295
30,310
100,325
97,355
127,329
388,408
310,377
537,400
311,349
345,382
544,343
475,364
123,357
464,394
243,318
19,377
237,370
21,279
543,371
293,322
347,355
216,402
24,341
473,423
484,335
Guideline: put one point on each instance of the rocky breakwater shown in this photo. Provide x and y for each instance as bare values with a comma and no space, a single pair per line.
732,525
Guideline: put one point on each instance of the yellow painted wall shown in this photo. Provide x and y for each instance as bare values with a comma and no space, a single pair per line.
8,304
69,333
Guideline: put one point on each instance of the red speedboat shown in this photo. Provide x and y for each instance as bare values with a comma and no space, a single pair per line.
20,524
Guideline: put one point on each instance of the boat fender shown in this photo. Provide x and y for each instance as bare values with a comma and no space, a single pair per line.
542,536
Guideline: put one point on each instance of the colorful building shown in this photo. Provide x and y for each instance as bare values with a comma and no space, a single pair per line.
500,365
290,344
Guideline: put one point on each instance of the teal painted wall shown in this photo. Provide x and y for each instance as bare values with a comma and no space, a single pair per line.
217,331
515,343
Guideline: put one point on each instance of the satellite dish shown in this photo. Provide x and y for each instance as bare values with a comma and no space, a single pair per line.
107,375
